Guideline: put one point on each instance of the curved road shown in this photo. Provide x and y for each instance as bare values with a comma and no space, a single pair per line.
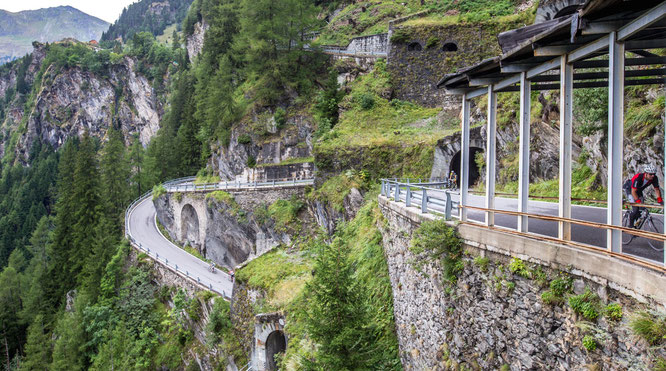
143,228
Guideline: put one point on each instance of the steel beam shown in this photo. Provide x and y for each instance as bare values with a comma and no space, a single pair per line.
464,158
644,21
566,114
615,135
524,152
553,50
507,82
491,137
476,93
547,66
591,48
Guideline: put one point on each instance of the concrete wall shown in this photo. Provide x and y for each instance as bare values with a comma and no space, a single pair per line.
368,44
492,317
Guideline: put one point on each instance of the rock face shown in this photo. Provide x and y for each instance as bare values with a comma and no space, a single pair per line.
491,317
72,101
195,42
267,149
228,232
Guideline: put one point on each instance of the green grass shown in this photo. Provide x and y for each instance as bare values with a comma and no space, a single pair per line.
336,188
290,161
222,196
285,214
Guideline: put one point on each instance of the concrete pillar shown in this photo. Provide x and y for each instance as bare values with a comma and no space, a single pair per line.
491,155
615,139
566,113
464,159
524,151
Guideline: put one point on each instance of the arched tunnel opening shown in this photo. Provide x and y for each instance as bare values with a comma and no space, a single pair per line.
474,172
189,224
275,343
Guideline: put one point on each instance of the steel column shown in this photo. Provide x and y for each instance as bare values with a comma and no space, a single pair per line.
491,134
566,113
615,137
524,151
464,158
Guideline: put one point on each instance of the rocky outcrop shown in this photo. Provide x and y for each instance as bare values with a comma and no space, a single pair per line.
71,101
266,145
195,42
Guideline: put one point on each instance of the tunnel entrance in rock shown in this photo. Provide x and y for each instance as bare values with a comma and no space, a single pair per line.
275,343
474,172
189,225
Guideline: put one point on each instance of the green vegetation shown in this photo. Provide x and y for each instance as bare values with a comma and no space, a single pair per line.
139,17
651,327
158,191
613,312
436,240
336,188
482,263
590,343
559,287
586,304
517,266
285,213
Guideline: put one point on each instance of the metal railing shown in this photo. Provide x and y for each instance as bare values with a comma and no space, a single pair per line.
186,185
432,196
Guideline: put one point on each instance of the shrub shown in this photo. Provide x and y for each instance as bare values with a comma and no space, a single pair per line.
517,266
365,100
482,263
439,242
280,118
651,328
590,343
158,190
561,286
586,304
550,298
613,311
251,162
244,139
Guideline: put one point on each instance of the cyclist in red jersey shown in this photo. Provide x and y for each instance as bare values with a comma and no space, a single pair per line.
633,188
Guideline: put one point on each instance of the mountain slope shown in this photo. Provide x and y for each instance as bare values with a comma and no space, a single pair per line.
147,15
19,30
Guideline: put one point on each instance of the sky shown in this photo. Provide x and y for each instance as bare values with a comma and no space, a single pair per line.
108,10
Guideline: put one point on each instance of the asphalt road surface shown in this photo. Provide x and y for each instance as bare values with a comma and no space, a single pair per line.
143,229
589,235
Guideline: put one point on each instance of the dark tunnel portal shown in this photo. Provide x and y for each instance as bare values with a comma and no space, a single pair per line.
474,173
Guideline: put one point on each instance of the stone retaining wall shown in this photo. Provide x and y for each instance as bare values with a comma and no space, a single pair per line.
491,318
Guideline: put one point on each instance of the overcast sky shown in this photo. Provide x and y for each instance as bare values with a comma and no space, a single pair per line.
108,10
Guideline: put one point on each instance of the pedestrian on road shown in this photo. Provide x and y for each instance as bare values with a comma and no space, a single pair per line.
633,189
232,274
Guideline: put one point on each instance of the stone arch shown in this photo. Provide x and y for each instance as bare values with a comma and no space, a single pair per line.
474,171
414,47
450,46
275,343
189,229
551,9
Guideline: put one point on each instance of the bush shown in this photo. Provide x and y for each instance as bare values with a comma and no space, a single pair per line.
365,100
561,286
517,266
244,139
586,304
400,36
589,343
158,190
251,162
439,242
613,311
280,118
548,297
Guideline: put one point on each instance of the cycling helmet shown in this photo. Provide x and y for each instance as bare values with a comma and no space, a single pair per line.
649,168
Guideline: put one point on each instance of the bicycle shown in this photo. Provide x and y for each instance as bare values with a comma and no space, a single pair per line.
646,222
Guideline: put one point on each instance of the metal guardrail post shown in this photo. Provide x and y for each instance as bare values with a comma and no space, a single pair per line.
424,202
383,188
397,193
447,213
408,197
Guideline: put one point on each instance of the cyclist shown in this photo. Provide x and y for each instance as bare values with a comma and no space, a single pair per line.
453,179
633,188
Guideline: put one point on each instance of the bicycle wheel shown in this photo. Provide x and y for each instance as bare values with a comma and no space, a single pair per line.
626,237
654,225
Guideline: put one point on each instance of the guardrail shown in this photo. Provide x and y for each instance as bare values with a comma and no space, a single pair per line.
186,185
433,197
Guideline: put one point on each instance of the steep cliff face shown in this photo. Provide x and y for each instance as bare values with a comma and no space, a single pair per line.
71,101
195,41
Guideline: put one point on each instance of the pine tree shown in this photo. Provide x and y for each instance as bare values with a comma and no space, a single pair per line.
138,183
37,347
335,313
115,174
